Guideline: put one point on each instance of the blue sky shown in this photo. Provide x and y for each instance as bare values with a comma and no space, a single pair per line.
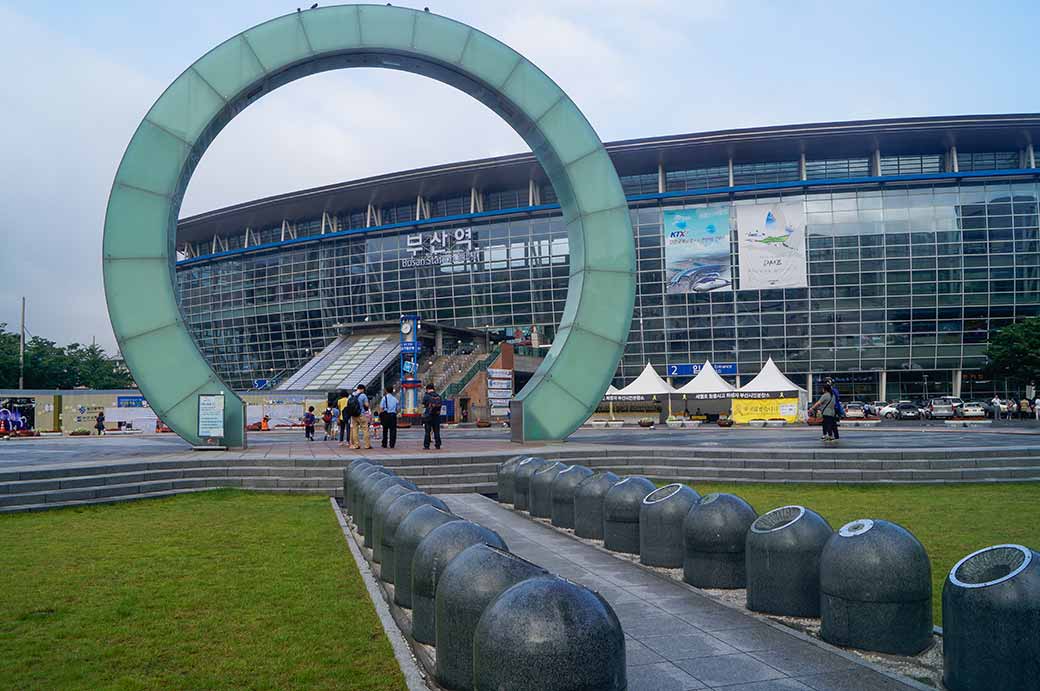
654,67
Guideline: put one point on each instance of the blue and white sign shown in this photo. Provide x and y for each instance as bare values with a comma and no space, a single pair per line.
693,370
409,346
409,367
261,384
130,402
211,415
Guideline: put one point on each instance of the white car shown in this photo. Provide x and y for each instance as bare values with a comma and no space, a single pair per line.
972,410
939,408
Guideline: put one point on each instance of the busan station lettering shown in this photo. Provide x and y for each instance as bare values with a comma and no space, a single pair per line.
440,247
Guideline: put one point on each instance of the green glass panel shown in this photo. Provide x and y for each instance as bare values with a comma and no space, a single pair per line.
596,184
568,132
440,38
576,246
387,27
279,42
609,245
230,67
135,225
153,161
181,368
570,308
332,28
605,307
532,91
550,412
187,106
580,367
488,59
141,295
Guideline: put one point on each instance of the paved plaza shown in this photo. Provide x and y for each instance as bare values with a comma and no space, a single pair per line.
677,639
474,442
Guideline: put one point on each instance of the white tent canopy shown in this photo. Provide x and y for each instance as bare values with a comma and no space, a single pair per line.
648,383
770,380
707,381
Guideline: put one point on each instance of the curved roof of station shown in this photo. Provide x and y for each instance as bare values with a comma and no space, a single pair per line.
897,136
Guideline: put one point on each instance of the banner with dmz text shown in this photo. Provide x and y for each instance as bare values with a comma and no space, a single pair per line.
771,246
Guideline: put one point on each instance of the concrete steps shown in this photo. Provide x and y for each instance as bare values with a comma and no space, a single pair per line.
41,487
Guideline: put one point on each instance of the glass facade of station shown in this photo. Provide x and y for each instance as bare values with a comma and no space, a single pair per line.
908,278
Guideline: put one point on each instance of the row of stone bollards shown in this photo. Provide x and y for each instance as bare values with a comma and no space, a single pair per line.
496,621
869,582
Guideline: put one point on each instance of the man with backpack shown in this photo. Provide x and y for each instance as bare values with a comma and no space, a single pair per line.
388,408
357,405
341,405
327,420
431,417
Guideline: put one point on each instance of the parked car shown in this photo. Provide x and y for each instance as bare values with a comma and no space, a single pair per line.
955,402
972,409
875,407
904,410
939,408
856,410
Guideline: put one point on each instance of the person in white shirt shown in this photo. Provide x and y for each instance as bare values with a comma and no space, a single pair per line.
996,407
1036,408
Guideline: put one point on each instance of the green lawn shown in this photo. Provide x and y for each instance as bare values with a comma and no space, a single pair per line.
950,520
222,589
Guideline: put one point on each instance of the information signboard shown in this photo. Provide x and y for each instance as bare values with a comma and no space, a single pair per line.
211,415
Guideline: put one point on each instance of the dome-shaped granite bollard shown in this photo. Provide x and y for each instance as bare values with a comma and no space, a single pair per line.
621,508
522,481
368,497
471,582
385,530
991,620
562,494
661,517
876,589
783,561
588,504
540,502
348,472
506,478
379,509
432,557
419,523
715,532
357,474
357,490
549,634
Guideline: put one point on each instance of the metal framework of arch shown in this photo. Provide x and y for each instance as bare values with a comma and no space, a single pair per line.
141,220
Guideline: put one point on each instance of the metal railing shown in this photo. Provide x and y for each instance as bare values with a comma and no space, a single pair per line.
461,383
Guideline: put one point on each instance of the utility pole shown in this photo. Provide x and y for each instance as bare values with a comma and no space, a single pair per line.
21,350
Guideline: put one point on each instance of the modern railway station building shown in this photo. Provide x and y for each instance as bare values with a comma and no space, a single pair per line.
882,253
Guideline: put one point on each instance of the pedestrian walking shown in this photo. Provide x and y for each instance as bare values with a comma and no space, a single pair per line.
326,419
826,408
308,424
996,407
360,418
1036,408
99,423
388,407
431,417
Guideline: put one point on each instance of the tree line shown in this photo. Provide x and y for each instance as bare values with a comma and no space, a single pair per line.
50,366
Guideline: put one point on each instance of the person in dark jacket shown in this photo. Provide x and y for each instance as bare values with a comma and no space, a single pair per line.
431,417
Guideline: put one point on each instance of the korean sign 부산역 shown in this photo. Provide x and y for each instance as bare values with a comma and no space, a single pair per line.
437,247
